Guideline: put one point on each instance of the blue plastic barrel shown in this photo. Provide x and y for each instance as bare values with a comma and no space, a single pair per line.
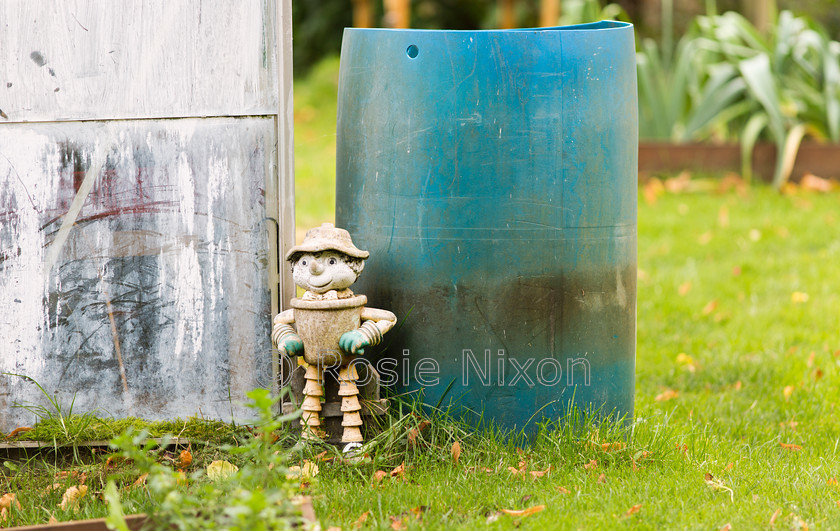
492,175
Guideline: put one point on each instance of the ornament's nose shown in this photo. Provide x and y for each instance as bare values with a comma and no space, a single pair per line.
316,267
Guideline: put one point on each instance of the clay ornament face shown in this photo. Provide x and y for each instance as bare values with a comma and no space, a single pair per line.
323,271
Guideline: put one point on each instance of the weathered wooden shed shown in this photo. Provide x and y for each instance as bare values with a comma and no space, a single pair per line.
145,186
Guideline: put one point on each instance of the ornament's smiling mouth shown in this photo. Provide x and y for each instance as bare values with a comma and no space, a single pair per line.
315,285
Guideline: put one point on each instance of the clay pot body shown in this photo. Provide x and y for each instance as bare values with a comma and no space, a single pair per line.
320,323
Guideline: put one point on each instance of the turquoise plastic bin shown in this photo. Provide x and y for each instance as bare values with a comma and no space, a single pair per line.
492,175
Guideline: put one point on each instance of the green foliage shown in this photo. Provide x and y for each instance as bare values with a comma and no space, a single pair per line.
725,80
256,496
585,11
317,27
315,123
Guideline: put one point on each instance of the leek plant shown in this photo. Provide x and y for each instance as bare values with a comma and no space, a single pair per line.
726,80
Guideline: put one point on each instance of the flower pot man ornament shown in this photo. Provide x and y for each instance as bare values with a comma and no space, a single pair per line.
332,325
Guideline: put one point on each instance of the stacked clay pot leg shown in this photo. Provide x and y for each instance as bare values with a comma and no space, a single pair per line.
350,406
313,391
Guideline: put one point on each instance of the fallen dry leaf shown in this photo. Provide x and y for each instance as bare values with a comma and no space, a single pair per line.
563,490
723,216
540,473
613,447
799,297
633,510
220,469
709,307
653,188
602,478
667,394
787,446
524,512
7,503
415,432
53,520
727,527
519,471
592,464
684,288
456,451
360,520
304,472
334,528
813,183
787,392
775,515
398,471
71,498
141,481
397,523
379,475
733,181
18,431
185,459
686,362
114,460
738,385
678,184
64,474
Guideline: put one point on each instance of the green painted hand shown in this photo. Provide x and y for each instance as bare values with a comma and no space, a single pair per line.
290,345
353,342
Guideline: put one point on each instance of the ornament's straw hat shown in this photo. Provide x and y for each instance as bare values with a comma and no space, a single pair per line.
326,238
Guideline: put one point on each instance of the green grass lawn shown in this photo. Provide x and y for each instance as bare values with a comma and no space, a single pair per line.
737,414
737,402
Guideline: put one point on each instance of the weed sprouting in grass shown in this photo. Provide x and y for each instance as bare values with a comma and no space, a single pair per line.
256,494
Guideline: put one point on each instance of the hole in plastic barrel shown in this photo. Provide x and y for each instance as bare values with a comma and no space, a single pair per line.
412,51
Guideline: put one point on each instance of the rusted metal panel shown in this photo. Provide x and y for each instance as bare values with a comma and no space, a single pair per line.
98,59
134,263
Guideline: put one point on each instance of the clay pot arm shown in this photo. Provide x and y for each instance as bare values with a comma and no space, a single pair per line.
383,319
284,337
286,317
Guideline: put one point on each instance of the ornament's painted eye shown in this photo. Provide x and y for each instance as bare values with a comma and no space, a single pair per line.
303,262
332,261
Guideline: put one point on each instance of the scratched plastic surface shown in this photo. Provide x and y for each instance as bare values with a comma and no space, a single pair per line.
492,176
